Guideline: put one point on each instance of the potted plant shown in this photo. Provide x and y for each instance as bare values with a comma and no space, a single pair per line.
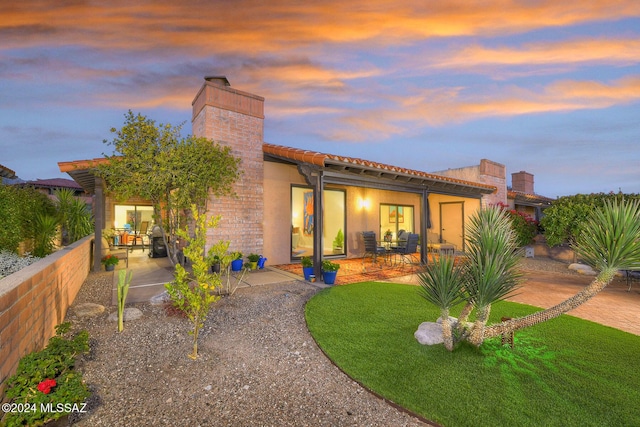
253,260
307,267
329,272
236,261
110,261
215,264
338,242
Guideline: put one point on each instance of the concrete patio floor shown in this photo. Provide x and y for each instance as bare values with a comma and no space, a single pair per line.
151,274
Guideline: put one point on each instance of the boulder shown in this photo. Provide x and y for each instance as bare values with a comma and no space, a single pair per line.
583,269
88,309
429,333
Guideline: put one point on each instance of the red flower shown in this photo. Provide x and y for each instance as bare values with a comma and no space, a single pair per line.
46,386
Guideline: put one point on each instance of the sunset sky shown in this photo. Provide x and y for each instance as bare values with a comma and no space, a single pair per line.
548,87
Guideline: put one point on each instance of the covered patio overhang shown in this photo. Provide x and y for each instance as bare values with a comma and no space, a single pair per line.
320,169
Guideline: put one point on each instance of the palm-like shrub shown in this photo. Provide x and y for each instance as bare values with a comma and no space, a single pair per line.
441,285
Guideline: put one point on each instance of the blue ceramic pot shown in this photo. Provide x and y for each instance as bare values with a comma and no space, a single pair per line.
307,271
236,265
329,277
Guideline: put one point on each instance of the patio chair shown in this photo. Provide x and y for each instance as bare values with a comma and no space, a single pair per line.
140,235
406,251
371,247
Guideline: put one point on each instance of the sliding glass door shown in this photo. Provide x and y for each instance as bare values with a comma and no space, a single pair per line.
303,222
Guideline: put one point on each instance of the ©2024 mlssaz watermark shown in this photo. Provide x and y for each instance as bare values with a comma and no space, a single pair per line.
50,408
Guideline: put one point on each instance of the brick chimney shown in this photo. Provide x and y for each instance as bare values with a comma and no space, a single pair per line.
236,119
522,182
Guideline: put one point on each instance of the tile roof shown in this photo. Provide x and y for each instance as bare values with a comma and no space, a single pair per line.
55,183
533,198
325,160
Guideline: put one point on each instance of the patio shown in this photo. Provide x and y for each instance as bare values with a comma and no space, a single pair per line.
354,270
151,274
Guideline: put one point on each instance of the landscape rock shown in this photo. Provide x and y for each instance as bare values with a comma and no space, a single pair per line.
583,269
88,309
429,333
130,313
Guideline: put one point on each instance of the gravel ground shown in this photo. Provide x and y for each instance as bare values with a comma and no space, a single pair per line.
258,366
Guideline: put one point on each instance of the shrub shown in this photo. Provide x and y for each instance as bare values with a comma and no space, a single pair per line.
525,227
565,218
46,378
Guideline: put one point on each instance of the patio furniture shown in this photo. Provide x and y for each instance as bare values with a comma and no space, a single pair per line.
435,246
407,250
140,235
371,247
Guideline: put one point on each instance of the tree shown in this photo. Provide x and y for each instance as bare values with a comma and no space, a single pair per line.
153,162
193,293
609,241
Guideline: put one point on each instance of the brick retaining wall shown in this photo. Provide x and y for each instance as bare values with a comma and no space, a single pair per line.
35,299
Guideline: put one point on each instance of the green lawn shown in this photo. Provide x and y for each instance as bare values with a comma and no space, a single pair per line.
565,372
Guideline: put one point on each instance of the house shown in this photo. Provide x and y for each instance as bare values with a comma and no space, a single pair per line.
522,198
292,202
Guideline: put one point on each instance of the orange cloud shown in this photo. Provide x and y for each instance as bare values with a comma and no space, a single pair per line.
260,27
610,51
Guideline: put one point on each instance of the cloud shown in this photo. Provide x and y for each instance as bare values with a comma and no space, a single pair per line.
577,52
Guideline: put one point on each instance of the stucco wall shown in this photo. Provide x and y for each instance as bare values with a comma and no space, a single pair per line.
35,299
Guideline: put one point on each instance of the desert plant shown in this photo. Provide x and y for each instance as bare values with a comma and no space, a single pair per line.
194,292
46,378
74,216
441,285
124,280
45,230
609,241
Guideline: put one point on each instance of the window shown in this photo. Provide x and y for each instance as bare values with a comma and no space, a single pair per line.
303,222
394,218
133,215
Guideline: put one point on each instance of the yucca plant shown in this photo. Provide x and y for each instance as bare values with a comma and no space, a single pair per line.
124,281
442,285
491,273
608,242
45,229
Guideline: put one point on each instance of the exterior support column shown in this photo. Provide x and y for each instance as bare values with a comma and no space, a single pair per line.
99,221
424,226
318,221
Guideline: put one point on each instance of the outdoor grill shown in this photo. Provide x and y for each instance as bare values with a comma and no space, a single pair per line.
158,249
